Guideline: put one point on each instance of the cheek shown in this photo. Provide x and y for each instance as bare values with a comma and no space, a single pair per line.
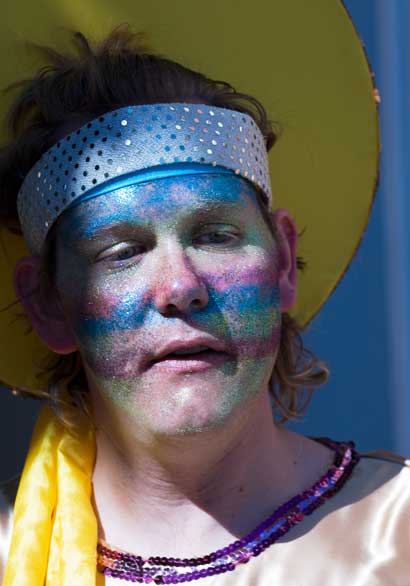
103,313
244,307
115,319
108,331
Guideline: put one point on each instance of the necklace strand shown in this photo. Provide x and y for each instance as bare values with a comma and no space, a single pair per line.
163,570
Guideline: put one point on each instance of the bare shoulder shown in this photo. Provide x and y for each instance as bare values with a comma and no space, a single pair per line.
8,491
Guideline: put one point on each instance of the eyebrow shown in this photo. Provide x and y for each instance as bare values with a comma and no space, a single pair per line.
203,212
118,228
212,208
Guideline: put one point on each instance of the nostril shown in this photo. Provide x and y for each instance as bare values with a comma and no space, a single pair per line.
180,298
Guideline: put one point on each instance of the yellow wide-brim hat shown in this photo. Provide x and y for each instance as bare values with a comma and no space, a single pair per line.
302,59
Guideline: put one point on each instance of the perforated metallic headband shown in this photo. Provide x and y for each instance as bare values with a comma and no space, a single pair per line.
135,138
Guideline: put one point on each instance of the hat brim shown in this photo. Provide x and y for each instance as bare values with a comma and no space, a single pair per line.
302,60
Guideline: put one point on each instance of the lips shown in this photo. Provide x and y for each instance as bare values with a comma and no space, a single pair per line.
196,353
198,362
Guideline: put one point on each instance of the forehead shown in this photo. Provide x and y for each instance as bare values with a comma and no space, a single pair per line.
161,199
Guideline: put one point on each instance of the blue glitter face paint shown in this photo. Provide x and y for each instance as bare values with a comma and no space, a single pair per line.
179,258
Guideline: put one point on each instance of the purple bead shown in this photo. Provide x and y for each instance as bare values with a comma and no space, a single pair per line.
128,566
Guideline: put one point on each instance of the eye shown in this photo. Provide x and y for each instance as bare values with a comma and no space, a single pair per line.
217,237
121,252
126,253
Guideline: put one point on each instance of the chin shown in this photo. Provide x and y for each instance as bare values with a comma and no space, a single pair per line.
191,418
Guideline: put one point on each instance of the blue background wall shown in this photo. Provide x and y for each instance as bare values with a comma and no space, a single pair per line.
363,331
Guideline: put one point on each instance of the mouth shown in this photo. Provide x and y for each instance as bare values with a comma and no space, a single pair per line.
190,360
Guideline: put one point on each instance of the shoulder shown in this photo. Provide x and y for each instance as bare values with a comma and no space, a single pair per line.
363,528
381,469
380,476
383,477
374,471
8,491
375,501
386,456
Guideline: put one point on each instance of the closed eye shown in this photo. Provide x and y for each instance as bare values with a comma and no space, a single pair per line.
218,237
121,252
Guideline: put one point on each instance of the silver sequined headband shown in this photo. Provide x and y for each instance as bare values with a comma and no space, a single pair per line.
134,138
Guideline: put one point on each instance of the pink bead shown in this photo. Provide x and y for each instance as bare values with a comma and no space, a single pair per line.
115,563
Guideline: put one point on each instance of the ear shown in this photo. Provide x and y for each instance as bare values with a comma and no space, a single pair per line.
288,238
42,306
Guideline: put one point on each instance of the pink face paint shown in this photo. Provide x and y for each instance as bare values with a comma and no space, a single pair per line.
176,260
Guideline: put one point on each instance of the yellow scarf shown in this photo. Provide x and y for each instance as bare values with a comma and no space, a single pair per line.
55,528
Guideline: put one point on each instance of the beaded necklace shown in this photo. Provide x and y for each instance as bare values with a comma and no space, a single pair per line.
164,570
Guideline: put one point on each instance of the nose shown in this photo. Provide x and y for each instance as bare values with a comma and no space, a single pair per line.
180,289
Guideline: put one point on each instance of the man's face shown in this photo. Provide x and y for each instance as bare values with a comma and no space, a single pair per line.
185,260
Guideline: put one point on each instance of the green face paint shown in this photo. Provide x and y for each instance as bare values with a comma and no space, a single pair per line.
176,260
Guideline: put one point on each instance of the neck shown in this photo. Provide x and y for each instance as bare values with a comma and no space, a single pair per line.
146,486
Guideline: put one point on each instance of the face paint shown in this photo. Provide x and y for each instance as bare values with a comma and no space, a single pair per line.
181,258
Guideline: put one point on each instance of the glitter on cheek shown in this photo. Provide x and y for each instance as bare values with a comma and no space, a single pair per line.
117,320
109,314
120,392
244,301
111,330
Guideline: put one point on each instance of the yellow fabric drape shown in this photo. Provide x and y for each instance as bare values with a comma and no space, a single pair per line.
55,528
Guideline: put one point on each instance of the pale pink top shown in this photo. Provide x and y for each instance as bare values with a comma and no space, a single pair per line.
359,537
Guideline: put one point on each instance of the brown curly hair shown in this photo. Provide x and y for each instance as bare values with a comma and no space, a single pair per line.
73,89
